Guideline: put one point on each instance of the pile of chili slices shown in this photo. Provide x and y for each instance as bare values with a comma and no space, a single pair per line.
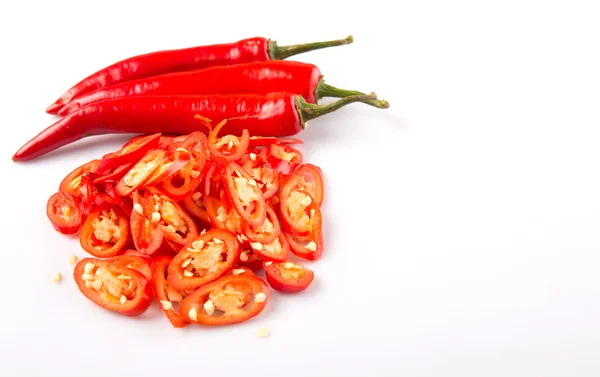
188,220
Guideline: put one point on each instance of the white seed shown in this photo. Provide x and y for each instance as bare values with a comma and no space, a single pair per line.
263,332
260,297
102,270
297,267
268,263
256,245
137,207
194,173
186,263
243,237
238,271
57,277
188,273
312,246
88,283
166,304
239,237
221,217
89,267
157,207
217,240
198,245
306,201
196,197
123,299
238,174
73,259
192,314
172,228
203,232
124,277
288,265
230,145
253,156
87,277
244,256
209,307
252,182
97,284
155,217
312,212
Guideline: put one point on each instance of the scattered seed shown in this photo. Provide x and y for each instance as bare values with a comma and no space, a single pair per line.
312,246
155,217
123,299
166,304
238,271
209,307
188,273
244,256
198,245
256,245
268,263
253,156
196,197
186,263
288,265
57,277
73,259
194,174
217,240
138,208
263,332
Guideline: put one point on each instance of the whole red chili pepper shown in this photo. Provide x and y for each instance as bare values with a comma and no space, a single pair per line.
252,78
275,114
187,59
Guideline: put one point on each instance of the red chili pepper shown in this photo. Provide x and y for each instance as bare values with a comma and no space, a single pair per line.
276,114
168,61
256,78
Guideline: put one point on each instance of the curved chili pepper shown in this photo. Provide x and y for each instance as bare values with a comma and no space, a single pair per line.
187,59
276,114
252,78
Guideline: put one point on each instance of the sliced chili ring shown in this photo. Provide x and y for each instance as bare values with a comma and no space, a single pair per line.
310,249
72,182
204,260
63,211
245,195
228,300
312,186
131,152
137,176
277,250
136,261
105,231
195,205
287,276
267,232
113,286
167,296
221,147
298,209
284,158
178,226
113,175
148,238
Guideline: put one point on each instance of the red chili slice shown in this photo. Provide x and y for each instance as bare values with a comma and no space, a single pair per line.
148,238
288,277
137,176
284,158
113,286
72,182
277,250
105,232
64,212
266,233
204,260
168,297
130,153
194,204
228,300
222,147
299,209
245,195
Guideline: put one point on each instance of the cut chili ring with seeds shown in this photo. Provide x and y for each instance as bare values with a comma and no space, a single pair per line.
105,232
288,277
230,299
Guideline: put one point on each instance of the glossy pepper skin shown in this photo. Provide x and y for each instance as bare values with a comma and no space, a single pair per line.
186,59
252,78
276,114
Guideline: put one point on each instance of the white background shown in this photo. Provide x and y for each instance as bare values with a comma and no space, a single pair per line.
462,224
